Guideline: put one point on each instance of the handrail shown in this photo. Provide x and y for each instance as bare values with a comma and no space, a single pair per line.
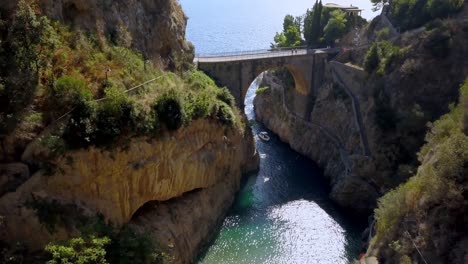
246,52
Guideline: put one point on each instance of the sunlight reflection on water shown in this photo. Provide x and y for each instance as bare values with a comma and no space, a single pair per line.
283,213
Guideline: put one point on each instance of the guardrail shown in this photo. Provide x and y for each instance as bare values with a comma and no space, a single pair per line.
260,54
247,52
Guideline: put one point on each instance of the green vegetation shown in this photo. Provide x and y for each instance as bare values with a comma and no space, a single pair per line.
170,110
261,90
56,71
324,25
291,35
25,47
312,24
381,57
79,250
439,40
437,188
336,26
408,14
100,242
319,26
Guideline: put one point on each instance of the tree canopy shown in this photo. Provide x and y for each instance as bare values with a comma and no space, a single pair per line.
291,35
408,14
336,26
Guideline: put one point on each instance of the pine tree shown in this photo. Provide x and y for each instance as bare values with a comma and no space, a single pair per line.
315,27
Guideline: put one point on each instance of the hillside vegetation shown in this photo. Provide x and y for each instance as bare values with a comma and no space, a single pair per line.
50,74
69,90
409,14
429,211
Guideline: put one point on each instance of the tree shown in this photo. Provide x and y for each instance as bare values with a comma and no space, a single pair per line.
30,41
336,26
32,38
313,26
288,22
308,25
291,35
371,61
442,8
378,4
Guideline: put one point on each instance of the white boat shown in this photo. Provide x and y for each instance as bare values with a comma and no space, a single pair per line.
264,136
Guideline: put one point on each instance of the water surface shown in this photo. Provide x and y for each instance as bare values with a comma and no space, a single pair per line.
283,213
237,25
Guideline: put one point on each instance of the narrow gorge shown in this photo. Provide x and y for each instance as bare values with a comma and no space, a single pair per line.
167,131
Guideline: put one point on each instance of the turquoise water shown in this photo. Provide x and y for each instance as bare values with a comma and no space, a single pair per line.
283,213
227,25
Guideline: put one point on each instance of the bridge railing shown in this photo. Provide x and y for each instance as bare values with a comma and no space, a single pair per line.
248,52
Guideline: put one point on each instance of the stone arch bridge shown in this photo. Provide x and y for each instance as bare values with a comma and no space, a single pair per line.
238,70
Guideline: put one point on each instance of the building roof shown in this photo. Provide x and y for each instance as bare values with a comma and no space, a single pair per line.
347,8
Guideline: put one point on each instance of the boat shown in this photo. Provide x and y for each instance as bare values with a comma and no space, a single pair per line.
264,136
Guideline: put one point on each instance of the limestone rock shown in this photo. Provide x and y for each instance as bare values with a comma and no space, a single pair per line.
155,27
117,182
346,170
185,224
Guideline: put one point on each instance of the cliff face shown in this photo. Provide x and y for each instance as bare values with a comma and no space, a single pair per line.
331,139
155,27
366,129
119,181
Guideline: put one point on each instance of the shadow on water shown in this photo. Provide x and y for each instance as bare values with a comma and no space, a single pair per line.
282,214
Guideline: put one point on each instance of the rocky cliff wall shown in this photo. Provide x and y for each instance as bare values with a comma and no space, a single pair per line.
117,182
331,138
366,128
155,27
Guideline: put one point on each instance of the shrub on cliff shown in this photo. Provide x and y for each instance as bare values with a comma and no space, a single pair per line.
199,80
440,41
225,95
223,113
262,90
112,116
79,130
381,57
79,250
123,246
371,61
170,110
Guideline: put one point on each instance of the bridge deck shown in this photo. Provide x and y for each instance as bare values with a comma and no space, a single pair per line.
243,56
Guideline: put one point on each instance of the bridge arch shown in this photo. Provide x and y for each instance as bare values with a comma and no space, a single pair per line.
237,72
300,82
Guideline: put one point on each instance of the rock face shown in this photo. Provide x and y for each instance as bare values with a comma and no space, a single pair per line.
185,224
119,181
321,139
365,129
155,27
12,175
